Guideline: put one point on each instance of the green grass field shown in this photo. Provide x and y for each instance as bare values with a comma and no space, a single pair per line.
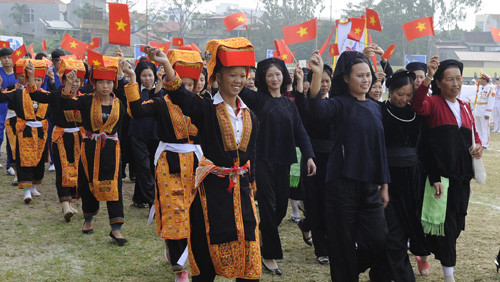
37,245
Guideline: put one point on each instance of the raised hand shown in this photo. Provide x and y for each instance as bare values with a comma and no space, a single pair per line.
127,69
380,75
30,69
432,66
50,74
369,50
155,54
316,63
299,73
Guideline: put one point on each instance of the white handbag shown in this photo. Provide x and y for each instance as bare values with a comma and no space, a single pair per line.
477,164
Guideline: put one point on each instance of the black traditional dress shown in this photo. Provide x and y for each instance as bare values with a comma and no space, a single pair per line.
99,174
224,236
66,139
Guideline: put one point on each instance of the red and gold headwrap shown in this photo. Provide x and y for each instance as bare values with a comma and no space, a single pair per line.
231,52
66,66
186,63
40,67
20,66
108,72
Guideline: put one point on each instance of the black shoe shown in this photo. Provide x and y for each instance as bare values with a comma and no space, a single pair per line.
323,260
307,240
276,271
139,205
119,241
88,231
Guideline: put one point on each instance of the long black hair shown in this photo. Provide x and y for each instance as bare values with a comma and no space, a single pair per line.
260,74
141,66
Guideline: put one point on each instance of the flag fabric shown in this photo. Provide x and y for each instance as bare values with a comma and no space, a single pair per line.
299,33
119,24
233,21
19,53
30,49
333,50
357,28
495,32
162,46
94,58
95,43
325,45
4,44
418,28
44,45
388,53
287,58
373,20
73,45
346,44
177,41
374,57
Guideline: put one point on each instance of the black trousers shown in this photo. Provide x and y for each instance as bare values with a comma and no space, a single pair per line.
143,152
175,249
356,227
395,264
199,245
65,194
90,205
314,203
273,190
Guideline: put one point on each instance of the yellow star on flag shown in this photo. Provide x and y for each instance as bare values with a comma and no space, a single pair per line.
421,26
161,49
332,51
121,25
498,34
92,43
73,44
302,31
179,42
96,63
3,45
357,31
18,53
372,20
285,56
240,19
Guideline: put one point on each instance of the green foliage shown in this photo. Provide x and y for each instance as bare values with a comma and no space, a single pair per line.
281,13
84,12
18,13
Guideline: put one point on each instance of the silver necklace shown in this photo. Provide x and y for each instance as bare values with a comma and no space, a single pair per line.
400,119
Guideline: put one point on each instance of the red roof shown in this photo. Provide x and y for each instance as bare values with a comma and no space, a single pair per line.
33,1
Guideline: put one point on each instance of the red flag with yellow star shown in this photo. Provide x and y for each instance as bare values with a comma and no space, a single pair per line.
495,32
233,21
94,59
418,28
119,24
333,50
357,27
388,53
19,53
32,52
299,33
283,52
73,45
373,20
176,41
4,44
95,43
162,46
44,45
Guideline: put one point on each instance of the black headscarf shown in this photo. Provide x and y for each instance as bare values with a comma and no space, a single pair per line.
260,74
414,66
326,68
438,75
344,64
142,65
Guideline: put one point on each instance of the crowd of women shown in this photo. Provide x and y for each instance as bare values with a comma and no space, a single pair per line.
377,178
